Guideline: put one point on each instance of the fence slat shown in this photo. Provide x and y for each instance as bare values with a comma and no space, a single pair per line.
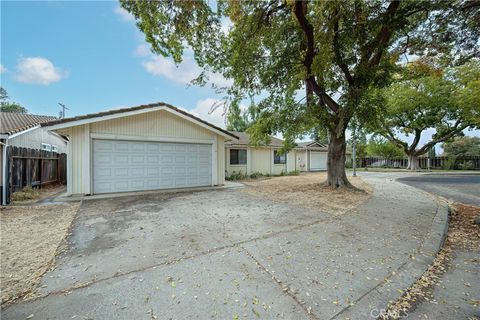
32,167
468,163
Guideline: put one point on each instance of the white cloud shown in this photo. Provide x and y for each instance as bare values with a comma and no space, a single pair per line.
37,70
183,73
2,69
211,110
161,66
124,14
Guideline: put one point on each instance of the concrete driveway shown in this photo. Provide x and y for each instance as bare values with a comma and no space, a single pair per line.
224,254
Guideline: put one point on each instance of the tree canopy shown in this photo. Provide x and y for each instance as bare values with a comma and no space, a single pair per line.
311,63
462,147
8,106
378,146
427,97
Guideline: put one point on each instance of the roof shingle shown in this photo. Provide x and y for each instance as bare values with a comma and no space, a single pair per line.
244,139
13,122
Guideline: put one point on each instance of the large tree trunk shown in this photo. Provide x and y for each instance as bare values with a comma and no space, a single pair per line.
413,162
337,177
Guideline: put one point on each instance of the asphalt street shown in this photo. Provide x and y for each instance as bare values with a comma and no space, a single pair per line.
459,188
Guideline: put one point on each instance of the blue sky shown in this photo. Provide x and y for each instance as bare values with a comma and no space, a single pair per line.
91,57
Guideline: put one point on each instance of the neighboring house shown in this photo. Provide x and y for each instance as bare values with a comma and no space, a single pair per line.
247,159
149,147
242,157
23,130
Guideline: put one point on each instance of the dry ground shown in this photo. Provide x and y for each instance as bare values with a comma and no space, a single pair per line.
306,191
30,237
29,195
463,234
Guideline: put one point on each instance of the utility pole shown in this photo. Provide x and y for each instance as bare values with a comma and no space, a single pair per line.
354,156
62,112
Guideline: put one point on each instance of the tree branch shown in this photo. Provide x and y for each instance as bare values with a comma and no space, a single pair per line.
445,137
300,11
338,55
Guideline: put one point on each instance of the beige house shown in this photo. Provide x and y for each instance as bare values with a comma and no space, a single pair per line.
242,157
149,147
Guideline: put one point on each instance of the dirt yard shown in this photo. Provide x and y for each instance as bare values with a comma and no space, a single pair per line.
30,237
306,191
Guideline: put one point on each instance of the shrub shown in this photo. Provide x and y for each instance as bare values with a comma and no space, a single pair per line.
236,176
255,175
467,165
294,173
27,193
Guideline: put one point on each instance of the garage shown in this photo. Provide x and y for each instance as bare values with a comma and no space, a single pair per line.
318,160
147,147
121,166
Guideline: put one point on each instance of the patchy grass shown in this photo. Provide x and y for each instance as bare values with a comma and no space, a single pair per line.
30,238
27,193
305,190
463,234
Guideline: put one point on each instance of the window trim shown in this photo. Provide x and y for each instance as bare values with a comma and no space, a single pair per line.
278,157
54,148
46,147
238,157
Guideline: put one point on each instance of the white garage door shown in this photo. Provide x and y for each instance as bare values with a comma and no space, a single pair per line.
318,160
120,166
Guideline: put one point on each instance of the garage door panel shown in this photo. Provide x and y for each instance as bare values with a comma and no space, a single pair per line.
318,160
120,166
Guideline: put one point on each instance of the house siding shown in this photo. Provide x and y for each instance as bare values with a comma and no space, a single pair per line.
148,126
33,139
152,124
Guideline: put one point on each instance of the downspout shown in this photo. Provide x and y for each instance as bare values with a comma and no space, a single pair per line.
4,172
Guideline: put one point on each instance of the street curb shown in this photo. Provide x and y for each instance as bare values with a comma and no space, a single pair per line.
393,287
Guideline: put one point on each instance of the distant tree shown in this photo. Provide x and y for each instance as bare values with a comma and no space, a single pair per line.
425,96
432,153
7,106
462,147
378,146
236,119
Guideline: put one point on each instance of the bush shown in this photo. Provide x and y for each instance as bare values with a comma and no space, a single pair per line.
467,165
294,173
27,193
236,176
256,175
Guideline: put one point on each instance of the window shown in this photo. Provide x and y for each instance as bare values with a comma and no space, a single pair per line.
54,148
238,156
46,147
279,158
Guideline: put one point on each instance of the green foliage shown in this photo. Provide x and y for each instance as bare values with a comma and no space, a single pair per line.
467,165
383,148
311,63
7,106
236,176
256,175
424,97
462,147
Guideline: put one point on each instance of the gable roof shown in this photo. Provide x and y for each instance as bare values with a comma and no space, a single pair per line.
311,144
244,139
112,114
13,122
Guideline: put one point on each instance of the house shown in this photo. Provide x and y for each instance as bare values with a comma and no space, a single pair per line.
148,147
24,130
242,157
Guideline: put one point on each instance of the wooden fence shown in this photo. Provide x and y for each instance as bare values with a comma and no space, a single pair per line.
459,163
35,168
